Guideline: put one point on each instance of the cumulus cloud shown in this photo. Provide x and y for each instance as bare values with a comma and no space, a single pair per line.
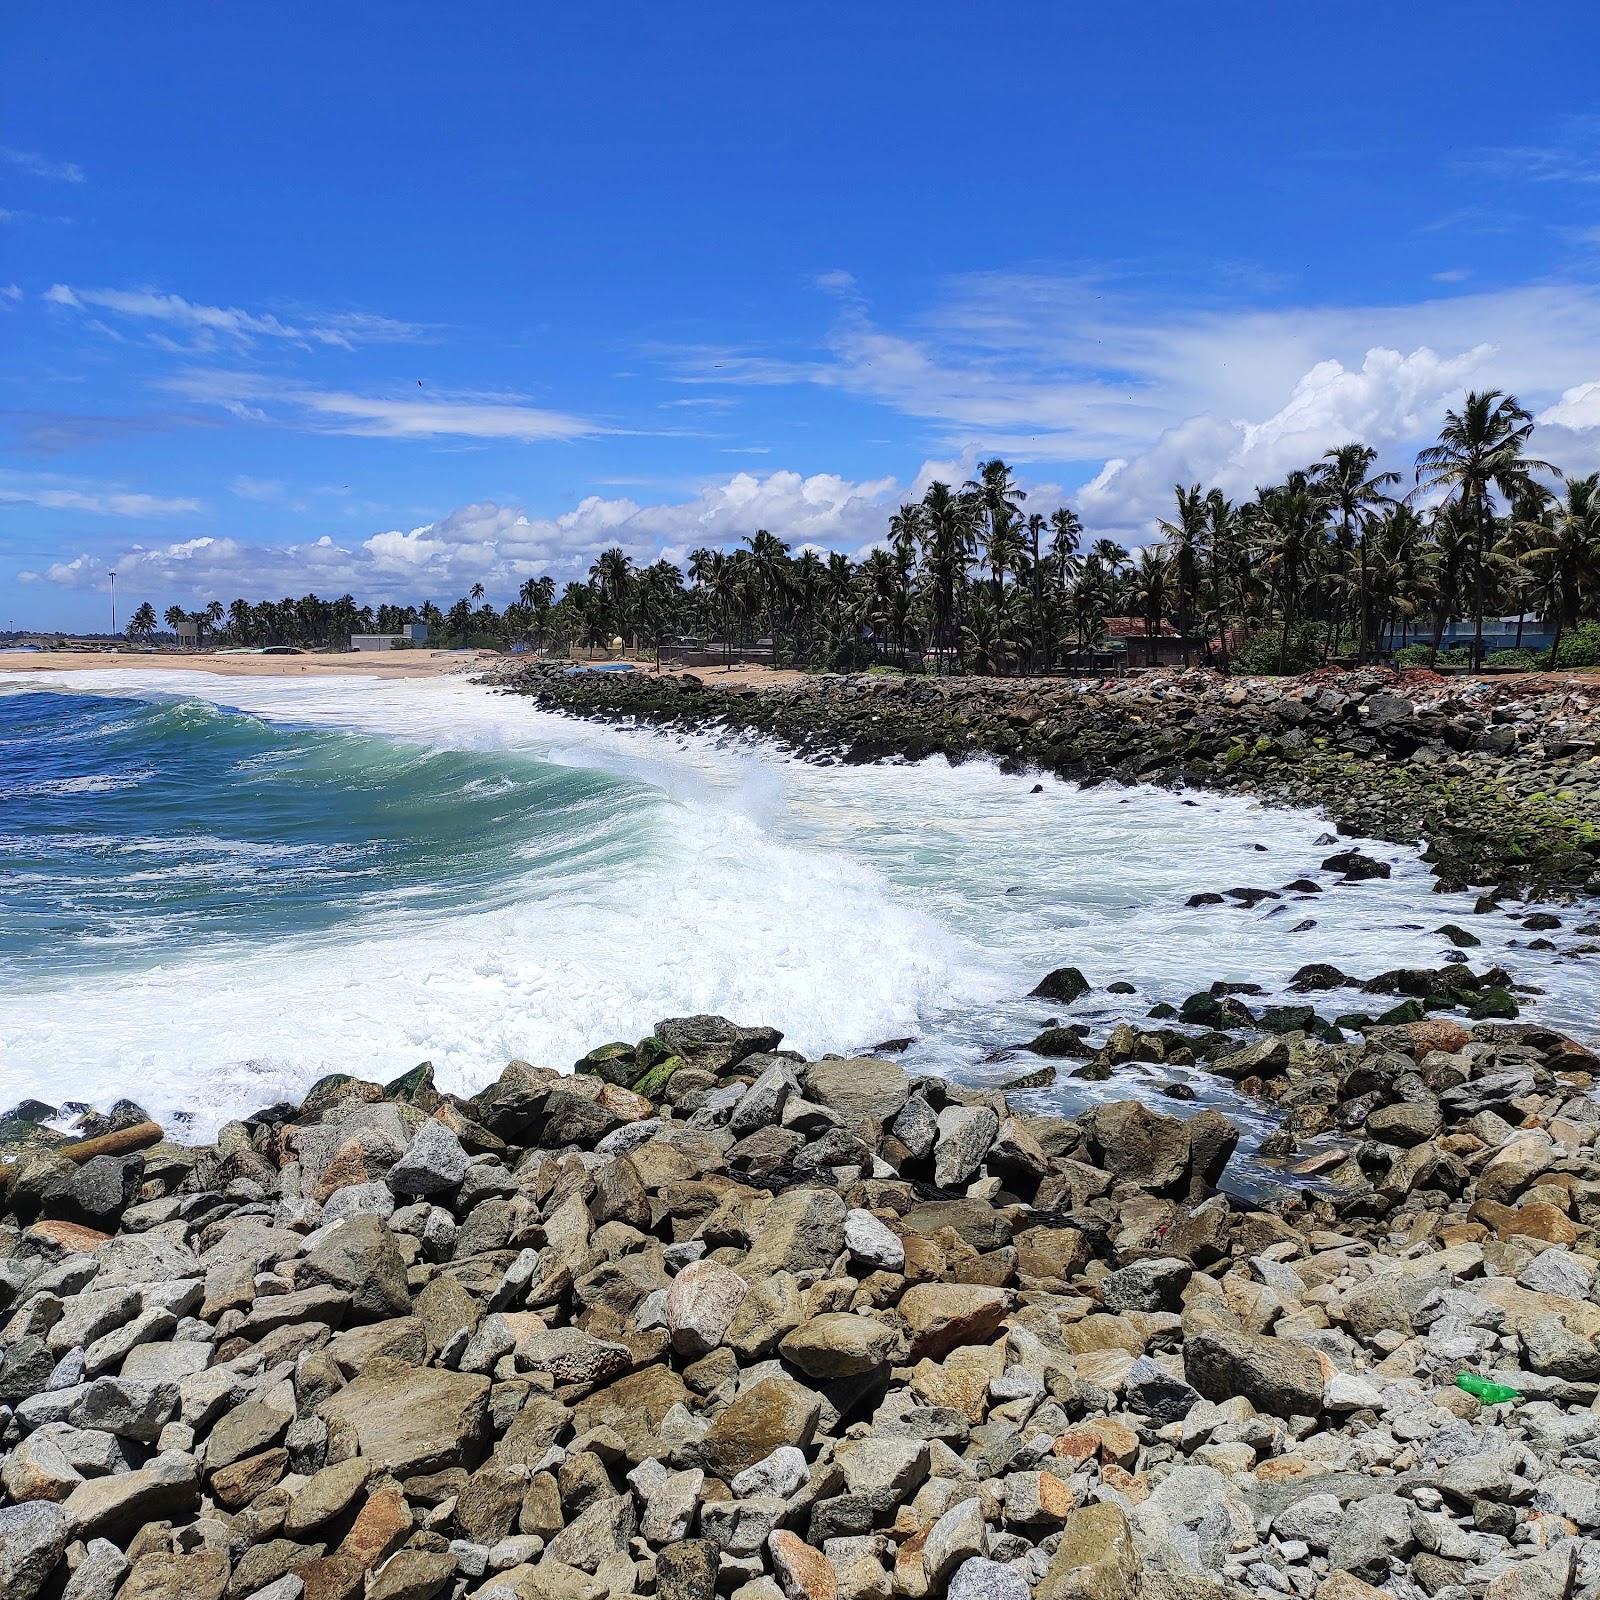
500,545
1390,398
254,397
208,326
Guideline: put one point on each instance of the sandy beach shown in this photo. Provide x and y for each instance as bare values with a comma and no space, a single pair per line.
313,664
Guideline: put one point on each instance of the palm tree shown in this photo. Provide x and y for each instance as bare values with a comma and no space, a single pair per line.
1150,589
1292,523
1185,539
142,624
1453,540
1355,494
1569,564
769,558
999,503
947,543
612,578
1221,550
1480,451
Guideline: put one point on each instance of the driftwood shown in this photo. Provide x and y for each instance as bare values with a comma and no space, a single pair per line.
119,1142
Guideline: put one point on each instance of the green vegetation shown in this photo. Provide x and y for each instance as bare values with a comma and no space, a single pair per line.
1333,563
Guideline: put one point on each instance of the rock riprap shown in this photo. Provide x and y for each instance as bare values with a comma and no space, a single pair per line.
705,1318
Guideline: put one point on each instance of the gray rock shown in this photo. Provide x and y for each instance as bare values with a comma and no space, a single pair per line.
742,1527
123,1501
761,1105
781,1474
700,1305
1275,1375
1314,1521
359,1256
33,1538
375,1199
871,1243
128,1407
956,1537
1155,1284
916,1127
670,1506
433,1162
978,1578
570,1355
99,1574
891,1470
603,1528
965,1134
1558,1272
863,1086
1374,1532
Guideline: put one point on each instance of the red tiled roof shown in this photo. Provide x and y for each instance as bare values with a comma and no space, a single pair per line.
1137,628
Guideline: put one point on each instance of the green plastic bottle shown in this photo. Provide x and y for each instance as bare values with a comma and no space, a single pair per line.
1486,1390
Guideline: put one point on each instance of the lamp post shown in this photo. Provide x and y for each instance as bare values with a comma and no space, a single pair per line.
113,605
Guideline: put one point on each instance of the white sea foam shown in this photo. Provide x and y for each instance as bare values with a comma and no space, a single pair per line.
845,905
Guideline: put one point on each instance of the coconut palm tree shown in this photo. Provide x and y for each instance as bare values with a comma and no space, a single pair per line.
1150,590
1356,495
142,624
1292,523
1481,451
999,505
1568,565
1185,539
947,546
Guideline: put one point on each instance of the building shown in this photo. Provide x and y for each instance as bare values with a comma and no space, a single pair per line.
188,632
412,635
1499,633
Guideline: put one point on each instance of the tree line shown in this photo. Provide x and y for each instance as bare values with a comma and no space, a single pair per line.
1340,560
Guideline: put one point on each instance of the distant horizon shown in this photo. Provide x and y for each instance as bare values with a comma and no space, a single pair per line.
482,303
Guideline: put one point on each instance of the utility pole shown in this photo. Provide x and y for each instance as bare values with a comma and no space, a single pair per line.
113,605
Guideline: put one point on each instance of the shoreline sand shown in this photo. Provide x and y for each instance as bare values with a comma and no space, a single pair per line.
313,664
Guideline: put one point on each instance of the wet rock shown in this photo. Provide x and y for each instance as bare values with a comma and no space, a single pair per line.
1061,987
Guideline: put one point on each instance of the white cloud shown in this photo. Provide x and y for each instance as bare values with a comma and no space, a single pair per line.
206,326
55,494
1390,398
1578,407
38,166
254,398
501,545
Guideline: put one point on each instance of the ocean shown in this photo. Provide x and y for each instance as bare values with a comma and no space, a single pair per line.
213,891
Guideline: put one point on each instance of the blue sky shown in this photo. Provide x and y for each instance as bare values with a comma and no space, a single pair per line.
397,298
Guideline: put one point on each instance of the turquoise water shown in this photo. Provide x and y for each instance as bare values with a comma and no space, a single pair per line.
130,829
214,890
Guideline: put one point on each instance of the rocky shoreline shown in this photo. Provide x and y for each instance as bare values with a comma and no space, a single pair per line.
701,1317
1499,781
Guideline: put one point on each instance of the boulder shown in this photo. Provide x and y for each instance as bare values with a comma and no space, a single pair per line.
838,1344
774,1412
700,1305
940,1316
412,1420
1275,1375
33,1538
359,1255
